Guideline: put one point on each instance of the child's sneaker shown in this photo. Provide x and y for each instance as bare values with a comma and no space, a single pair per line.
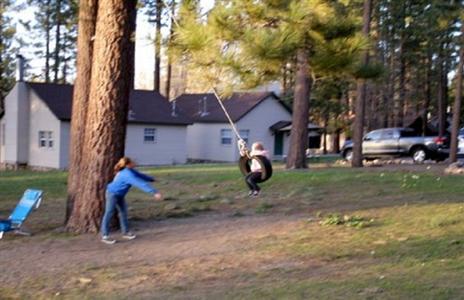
256,193
129,236
107,240
250,193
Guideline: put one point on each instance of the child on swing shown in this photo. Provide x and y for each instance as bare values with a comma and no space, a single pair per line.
255,175
125,177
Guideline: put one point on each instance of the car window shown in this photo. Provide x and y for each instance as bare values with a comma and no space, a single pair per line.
408,133
389,134
373,135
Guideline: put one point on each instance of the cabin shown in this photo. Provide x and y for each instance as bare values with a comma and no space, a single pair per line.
35,129
258,116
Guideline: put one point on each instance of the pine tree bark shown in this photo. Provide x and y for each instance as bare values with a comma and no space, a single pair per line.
107,111
428,93
324,145
159,7
361,90
299,132
87,23
441,101
457,102
169,68
401,91
47,42
336,141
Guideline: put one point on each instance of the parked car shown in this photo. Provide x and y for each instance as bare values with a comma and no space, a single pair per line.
396,142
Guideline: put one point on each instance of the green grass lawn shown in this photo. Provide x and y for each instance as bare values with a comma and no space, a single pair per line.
406,240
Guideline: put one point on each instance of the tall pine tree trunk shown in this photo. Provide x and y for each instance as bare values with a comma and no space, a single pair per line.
324,145
169,68
361,94
47,42
336,141
159,7
56,66
299,133
442,101
87,22
107,111
401,90
428,93
457,102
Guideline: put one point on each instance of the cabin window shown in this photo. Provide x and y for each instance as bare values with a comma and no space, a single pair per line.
149,135
226,136
46,139
244,133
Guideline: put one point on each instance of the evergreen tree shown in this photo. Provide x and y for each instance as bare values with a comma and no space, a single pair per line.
457,97
54,33
328,107
7,51
358,130
244,44
108,105
87,23
155,10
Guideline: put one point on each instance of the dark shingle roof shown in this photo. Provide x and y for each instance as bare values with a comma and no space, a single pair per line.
238,105
144,106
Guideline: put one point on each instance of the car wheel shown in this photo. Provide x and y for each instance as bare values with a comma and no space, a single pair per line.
419,155
348,154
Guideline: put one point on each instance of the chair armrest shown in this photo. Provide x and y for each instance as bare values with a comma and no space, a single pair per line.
38,203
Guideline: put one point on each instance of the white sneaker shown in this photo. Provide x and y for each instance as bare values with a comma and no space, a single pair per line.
107,240
129,236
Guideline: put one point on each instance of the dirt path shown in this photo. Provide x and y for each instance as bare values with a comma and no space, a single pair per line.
168,253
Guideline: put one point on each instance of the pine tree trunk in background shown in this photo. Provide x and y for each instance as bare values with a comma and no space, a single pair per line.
391,94
87,22
107,111
336,141
442,100
159,7
299,132
169,69
361,94
56,66
428,95
457,102
401,90
47,43
324,148
284,82
64,72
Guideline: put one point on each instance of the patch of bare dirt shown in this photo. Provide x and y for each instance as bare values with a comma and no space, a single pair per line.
204,249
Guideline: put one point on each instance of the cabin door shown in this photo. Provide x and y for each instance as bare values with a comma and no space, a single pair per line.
279,143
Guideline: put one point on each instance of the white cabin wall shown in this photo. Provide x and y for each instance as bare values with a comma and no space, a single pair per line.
258,121
42,119
204,142
170,146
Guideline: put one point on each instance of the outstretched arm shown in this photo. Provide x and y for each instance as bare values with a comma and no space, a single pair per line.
141,184
143,176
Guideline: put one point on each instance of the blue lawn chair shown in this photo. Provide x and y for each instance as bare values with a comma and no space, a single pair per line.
30,200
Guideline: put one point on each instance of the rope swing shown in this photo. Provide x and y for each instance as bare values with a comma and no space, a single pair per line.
245,161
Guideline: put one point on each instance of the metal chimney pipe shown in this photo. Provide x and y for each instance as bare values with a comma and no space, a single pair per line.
205,109
173,107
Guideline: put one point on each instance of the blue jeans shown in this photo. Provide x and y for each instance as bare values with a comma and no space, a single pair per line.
118,202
